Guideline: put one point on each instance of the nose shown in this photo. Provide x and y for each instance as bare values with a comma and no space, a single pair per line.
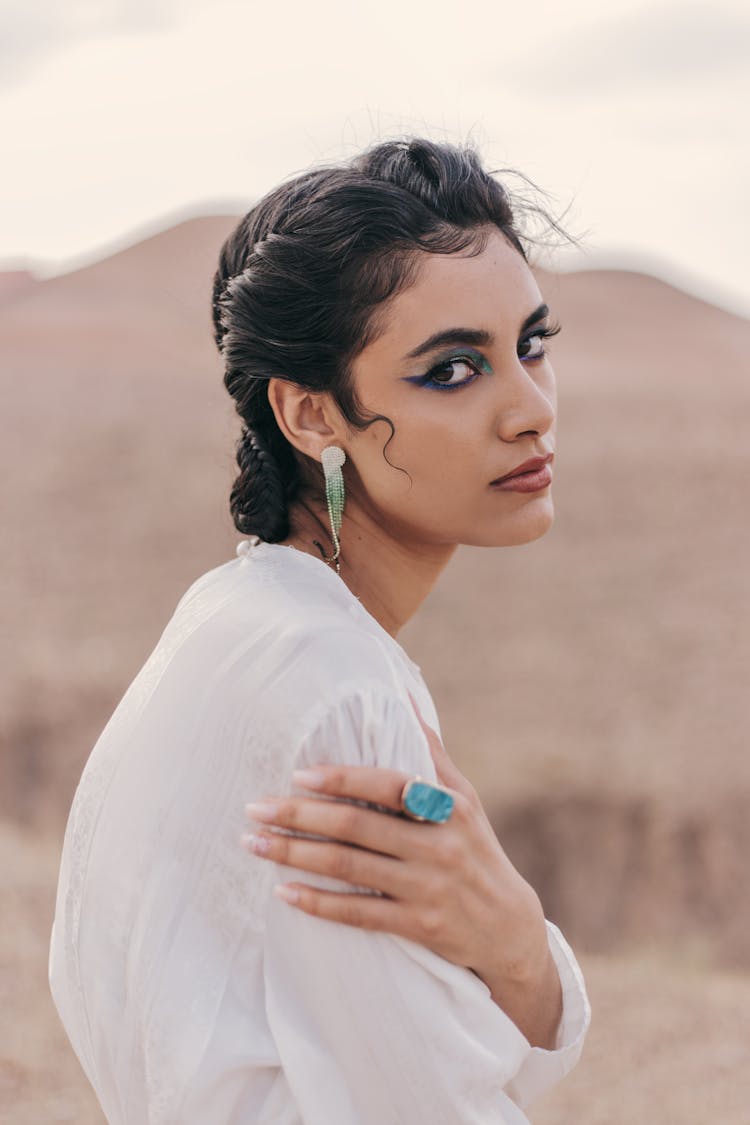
527,400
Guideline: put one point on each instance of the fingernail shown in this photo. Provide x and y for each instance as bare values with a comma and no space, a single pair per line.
289,894
260,845
309,779
262,810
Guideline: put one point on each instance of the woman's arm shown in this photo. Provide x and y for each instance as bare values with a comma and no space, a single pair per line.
375,1030
447,886
418,906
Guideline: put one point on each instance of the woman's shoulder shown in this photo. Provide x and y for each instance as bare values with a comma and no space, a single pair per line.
324,640
288,632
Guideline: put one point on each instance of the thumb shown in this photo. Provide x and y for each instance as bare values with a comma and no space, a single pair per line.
448,773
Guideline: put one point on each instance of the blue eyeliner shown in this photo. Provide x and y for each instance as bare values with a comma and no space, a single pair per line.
476,360
467,355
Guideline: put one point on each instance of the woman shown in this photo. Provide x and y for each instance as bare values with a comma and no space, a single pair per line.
383,338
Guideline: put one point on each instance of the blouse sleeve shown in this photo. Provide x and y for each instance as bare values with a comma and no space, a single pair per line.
377,1029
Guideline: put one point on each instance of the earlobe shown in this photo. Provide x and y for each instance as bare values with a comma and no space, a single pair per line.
301,415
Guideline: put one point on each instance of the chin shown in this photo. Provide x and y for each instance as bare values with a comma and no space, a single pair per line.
524,526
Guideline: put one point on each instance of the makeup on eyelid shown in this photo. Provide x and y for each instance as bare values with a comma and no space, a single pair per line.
469,356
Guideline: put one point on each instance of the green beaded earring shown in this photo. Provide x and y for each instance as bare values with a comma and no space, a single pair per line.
333,458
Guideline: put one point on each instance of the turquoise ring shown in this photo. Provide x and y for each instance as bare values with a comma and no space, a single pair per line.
421,800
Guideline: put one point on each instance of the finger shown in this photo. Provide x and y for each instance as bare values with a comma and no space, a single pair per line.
338,820
353,865
367,912
376,784
447,771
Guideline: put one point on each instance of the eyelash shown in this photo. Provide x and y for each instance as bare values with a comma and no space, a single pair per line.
429,381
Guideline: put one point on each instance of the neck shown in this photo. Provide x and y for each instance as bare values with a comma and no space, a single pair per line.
391,577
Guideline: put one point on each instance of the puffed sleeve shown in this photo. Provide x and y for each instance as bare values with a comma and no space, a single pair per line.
375,1029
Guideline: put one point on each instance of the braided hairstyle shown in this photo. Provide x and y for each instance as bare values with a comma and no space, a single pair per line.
301,281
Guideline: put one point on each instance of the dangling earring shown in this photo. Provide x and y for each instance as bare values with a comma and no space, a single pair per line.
333,458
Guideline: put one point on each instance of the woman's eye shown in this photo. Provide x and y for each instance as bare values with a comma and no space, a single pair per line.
535,346
452,373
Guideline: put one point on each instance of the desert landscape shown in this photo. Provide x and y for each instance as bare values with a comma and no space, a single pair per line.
593,684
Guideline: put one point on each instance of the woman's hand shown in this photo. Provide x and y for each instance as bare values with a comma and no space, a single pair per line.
449,887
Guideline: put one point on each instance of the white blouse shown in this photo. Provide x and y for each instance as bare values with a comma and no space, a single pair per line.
190,993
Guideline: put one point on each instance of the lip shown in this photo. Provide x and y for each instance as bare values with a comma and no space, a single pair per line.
532,466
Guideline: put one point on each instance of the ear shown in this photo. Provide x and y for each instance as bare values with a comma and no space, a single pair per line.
307,419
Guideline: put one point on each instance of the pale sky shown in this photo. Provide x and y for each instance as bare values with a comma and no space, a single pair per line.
119,117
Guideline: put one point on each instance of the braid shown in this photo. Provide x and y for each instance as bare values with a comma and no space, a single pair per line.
269,474
258,500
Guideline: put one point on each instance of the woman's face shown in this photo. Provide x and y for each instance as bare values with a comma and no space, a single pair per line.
466,411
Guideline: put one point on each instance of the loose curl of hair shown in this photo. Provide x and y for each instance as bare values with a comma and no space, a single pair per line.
302,283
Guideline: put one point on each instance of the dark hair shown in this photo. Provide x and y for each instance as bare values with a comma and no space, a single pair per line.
302,279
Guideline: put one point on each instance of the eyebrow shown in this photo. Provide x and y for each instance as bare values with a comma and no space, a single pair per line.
477,336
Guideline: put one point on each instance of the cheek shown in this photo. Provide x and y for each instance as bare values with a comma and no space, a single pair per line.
434,448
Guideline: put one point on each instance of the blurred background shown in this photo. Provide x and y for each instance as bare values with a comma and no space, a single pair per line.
592,684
